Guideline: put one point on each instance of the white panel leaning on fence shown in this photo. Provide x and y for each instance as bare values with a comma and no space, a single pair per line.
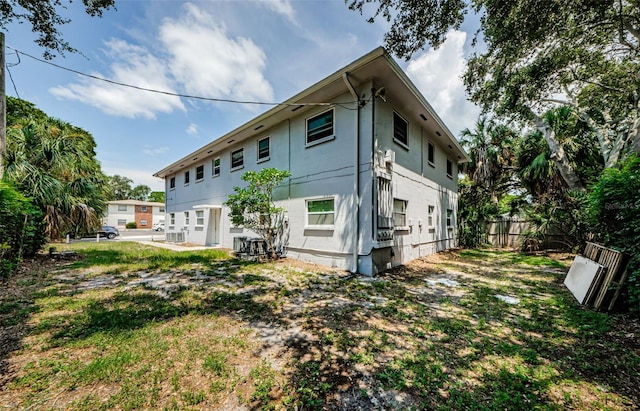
597,277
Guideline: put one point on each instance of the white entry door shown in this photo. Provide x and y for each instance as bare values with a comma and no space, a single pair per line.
213,231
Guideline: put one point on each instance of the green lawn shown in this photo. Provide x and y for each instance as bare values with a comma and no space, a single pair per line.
130,327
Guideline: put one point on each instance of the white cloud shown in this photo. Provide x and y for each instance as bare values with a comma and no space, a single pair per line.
131,65
283,7
209,63
192,130
154,151
438,75
195,56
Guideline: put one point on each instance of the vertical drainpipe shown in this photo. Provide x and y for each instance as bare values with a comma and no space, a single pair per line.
356,173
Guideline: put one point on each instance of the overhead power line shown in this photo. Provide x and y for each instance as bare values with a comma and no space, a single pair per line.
168,93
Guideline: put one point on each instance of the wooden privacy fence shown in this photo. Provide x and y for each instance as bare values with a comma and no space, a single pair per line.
510,232
506,232
607,284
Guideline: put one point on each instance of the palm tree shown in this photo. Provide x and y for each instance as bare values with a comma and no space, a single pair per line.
54,164
490,147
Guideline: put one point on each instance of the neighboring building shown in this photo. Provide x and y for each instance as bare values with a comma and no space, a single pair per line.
373,172
144,213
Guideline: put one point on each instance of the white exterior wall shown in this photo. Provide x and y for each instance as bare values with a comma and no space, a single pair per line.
418,183
113,215
318,171
327,170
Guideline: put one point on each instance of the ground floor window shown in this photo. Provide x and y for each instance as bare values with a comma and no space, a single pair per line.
321,212
399,213
122,222
172,218
186,218
449,218
430,212
199,217
143,223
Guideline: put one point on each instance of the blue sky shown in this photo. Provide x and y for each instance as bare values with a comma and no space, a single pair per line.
265,50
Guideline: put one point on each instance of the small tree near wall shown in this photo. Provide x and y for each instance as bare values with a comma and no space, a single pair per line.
253,206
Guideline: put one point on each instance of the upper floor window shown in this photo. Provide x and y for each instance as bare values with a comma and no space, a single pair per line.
199,173
449,169
431,154
263,149
320,128
161,210
400,130
399,213
172,183
321,212
122,207
215,167
186,178
237,159
143,209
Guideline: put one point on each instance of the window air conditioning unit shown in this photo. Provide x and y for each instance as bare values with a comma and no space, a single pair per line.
389,156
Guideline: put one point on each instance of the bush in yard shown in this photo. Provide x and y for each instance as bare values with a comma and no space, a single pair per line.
131,224
21,229
253,206
615,217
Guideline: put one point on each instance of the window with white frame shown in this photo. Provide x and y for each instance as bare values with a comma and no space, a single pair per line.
399,213
122,222
186,178
237,159
430,215
449,169
199,217
161,210
320,127
263,149
172,183
143,223
215,167
143,209
431,156
449,218
122,207
186,218
400,130
321,212
199,173
172,218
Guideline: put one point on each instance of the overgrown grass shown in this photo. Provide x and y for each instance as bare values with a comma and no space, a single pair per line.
213,334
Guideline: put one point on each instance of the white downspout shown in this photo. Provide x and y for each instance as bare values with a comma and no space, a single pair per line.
356,173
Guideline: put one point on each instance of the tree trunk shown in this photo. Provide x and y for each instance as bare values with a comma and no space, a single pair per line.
557,153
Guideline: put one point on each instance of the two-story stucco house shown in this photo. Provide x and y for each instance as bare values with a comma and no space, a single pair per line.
144,213
373,172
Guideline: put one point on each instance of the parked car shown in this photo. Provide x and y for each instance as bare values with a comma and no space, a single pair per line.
105,231
158,226
109,231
